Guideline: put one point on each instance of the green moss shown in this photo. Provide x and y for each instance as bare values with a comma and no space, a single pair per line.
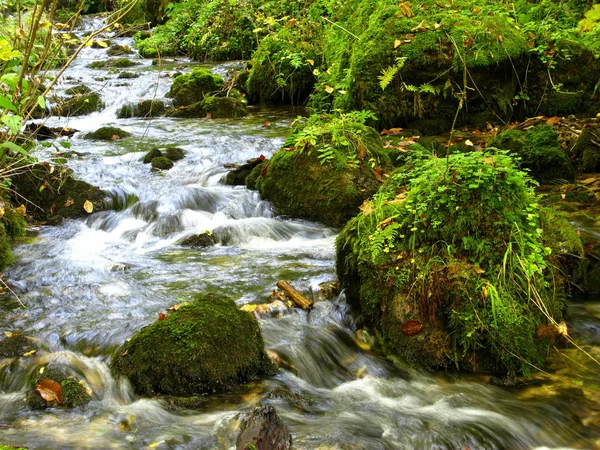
107,134
322,178
78,90
174,153
192,87
119,63
162,163
81,105
586,150
204,346
160,42
539,151
192,111
224,107
154,153
125,75
455,244
118,50
11,447
12,225
15,346
202,240
72,393
145,108
56,193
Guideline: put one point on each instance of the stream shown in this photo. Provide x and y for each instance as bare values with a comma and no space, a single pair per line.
90,284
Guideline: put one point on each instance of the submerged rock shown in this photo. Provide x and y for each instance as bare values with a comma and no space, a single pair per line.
191,88
53,194
436,266
174,153
120,63
126,75
119,50
237,177
262,429
154,153
78,90
107,134
540,152
202,240
55,387
587,149
204,346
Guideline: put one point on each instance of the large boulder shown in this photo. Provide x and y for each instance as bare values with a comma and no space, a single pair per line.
540,152
449,265
107,134
53,194
325,171
79,104
213,107
191,88
203,346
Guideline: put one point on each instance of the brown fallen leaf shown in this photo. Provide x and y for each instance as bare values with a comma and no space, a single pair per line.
553,120
411,327
52,209
69,202
49,390
391,131
367,208
161,316
378,174
21,210
405,8
115,137
266,123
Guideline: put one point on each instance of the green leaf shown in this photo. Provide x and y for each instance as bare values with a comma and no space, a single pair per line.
13,122
14,147
41,101
65,144
10,79
7,104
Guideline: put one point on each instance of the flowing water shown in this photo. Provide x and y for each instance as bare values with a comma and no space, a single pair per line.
90,284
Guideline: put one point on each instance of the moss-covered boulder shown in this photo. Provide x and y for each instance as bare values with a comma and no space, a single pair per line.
174,153
78,90
56,387
262,429
213,107
53,194
107,134
540,152
119,63
127,75
144,108
79,105
204,346
448,264
237,177
191,88
119,50
161,163
16,345
587,149
202,240
12,225
154,153
325,171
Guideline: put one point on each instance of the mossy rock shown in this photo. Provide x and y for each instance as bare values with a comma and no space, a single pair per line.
55,193
434,265
205,346
144,108
125,75
120,63
107,134
80,105
72,393
154,153
238,176
201,240
224,107
587,149
194,110
12,225
119,50
300,185
16,345
161,163
540,152
174,153
191,88
78,90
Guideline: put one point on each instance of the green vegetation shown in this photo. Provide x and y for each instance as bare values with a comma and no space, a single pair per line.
161,163
457,245
107,134
191,88
204,346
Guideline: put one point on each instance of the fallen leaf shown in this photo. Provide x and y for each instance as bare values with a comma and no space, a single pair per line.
329,89
562,329
391,131
553,120
266,123
411,327
88,207
489,126
477,10
378,174
367,207
385,223
397,43
8,334
361,339
419,27
361,372
115,137
21,210
19,32
1,211
469,143
69,202
161,316
311,62
405,8
49,390
155,444
52,209
291,22
250,307
177,306
31,352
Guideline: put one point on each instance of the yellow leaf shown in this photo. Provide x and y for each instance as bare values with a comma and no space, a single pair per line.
19,32
88,206
1,212
469,143
397,43
485,292
8,334
155,444
562,329
249,307
329,89
311,62
102,44
32,352
21,210
367,208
